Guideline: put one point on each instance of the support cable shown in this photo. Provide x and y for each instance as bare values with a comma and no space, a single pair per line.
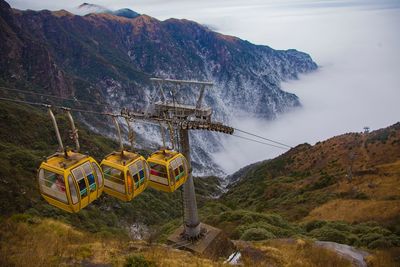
52,96
253,140
171,135
255,135
162,134
54,106
131,132
162,131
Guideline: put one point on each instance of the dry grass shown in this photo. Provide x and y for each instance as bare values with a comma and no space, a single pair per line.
384,183
164,256
356,210
387,258
51,243
290,253
378,187
332,155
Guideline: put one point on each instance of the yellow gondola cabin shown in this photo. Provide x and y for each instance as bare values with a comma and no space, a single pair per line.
126,174
168,170
70,181
67,179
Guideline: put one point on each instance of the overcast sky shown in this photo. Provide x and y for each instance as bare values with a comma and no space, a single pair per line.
208,8
354,42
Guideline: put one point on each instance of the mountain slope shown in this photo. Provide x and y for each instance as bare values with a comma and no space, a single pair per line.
87,8
100,50
345,189
353,177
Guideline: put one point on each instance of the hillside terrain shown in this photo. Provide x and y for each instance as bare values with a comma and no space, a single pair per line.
77,248
350,171
24,241
345,189
283,199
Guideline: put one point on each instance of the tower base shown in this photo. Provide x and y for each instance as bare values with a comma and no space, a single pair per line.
212,243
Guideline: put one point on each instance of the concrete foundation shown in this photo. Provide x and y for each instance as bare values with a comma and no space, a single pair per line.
212,242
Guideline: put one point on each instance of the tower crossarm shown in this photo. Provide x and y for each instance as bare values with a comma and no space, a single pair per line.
181,122
208,126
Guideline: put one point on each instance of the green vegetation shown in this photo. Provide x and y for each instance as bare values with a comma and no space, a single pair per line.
242,224
269,188
137,260
24,241
256,234
305,180
382,135
370,235
324,181
27,136
248,225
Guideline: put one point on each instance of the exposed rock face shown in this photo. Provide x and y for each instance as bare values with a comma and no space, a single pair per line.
25,61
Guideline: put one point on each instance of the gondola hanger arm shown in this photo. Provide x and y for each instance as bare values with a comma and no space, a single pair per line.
74,131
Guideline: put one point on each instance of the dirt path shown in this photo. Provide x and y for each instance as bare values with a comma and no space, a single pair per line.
356,256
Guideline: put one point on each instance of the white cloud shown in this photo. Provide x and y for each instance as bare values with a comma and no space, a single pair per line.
357,85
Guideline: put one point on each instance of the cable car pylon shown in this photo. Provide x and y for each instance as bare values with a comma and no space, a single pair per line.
202,238
191,216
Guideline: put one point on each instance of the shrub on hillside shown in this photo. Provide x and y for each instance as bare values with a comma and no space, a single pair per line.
138,261
370,237
275,230
364,229
255,234
380,243
324,181
375,240
314,225
341,226
353,240
361,195
237,222
247,217
368,234
327,233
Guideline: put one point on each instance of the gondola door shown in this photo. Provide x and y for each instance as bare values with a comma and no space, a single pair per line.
91,180
83,186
